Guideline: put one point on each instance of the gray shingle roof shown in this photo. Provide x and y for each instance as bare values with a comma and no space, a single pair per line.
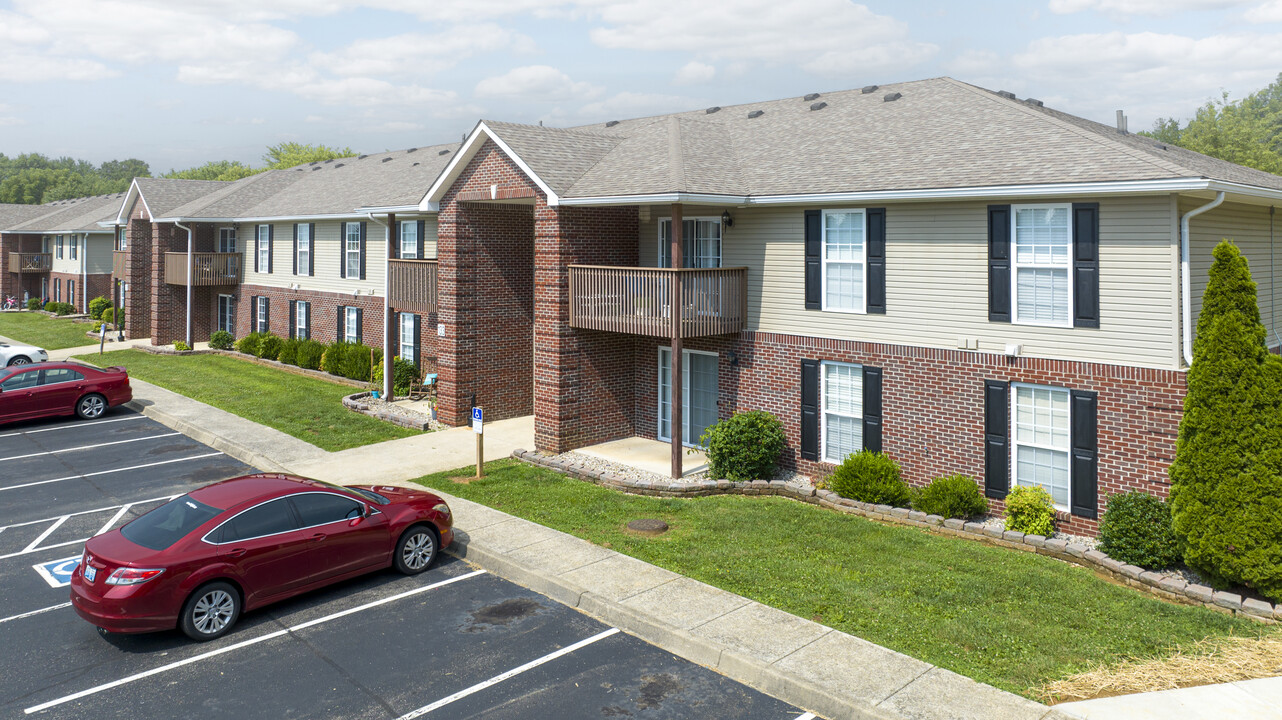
78,215
162,195
11,215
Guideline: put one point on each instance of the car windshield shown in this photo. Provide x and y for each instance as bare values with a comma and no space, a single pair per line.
168,523
368,495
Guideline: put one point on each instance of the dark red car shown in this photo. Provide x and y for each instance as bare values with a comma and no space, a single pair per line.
198,561
61,388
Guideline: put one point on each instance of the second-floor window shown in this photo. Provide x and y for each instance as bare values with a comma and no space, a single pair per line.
122,238
844,258
74,244
304,260
1042,243
352,250
409,240
226,240
264,248
58,244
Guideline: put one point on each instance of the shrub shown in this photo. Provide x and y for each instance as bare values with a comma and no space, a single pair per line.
288,351
97,328
33,303
221,340
1029,510
308,354
181,346
108,315
59,308
870,477
404,374
954,496
745,446
249,343
97,305
349,360
269,346
1136,529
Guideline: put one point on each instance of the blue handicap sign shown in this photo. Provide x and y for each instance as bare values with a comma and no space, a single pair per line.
476,415
58,572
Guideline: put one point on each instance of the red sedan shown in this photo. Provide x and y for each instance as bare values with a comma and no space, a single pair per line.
61,388
201,559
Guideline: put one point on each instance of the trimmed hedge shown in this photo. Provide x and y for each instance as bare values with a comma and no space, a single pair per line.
1136,529
870,477
350,360
33,303
1029,510
288,351
108,315
249,343
745,446
269,346
221,340
59,308
954,496
308,354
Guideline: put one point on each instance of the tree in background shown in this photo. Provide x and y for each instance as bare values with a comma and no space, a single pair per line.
32,178
290,154
1247,132
215,170
1226,480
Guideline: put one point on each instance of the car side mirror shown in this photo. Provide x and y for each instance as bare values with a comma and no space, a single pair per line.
369,510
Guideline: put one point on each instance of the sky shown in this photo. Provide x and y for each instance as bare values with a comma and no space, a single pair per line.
177,83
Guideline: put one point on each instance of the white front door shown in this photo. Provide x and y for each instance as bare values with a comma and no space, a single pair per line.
698,394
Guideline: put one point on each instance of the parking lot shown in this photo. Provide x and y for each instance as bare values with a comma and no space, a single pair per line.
453,642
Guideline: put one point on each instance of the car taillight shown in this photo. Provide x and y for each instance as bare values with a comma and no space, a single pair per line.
132,576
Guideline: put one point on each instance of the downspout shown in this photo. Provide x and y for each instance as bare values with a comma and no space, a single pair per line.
387,310
189,265
84,276
1186,300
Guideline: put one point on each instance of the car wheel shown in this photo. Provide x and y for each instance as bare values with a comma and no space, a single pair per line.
416,550
91,406
210,612
19,360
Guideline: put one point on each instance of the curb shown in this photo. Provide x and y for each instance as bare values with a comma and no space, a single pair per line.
199,434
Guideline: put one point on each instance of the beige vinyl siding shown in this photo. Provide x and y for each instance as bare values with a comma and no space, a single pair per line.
64,264
430,229
98,256
1248,226
937,280
326,247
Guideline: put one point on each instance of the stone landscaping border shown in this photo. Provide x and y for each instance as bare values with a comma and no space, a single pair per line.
356,404
1172,589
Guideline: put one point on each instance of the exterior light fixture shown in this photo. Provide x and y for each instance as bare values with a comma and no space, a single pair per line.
726,220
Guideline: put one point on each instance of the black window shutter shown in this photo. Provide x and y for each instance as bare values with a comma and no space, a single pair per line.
342,249
1083,463
872,409
256,268
267,313
293,316
809,409
876,296
421,246
1086,265
271,234
295,253
362,252
311,257
417,327
342,323
814,267
396,240
253,313
996,445
999,263
360,335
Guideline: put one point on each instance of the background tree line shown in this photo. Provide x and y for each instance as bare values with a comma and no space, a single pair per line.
1247,131
33,178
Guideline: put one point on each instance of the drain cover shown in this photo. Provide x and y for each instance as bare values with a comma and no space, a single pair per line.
648,526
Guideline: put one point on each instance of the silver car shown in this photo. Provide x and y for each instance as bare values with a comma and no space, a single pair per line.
21,354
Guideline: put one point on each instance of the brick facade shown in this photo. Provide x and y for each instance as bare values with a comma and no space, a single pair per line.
138,263
18,284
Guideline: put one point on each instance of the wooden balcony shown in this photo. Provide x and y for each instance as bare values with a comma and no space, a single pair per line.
411,285
30,262
119,265
714,301
207,269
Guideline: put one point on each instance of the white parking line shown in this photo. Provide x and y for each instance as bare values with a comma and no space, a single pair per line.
35,612
71,426
806,716
46,533
88,512
509,674
114,518
245,643
108,472
87,447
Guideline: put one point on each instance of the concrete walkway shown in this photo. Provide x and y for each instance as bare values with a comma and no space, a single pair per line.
1245,700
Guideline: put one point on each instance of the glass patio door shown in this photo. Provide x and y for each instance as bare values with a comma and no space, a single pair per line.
698,394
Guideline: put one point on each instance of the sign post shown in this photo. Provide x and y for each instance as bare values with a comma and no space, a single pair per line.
102,336
478,427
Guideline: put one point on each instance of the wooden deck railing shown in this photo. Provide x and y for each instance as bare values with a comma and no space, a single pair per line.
119,265
207,269
639,300
30,262
411,285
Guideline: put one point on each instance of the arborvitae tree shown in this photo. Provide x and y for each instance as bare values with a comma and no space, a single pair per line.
1226,480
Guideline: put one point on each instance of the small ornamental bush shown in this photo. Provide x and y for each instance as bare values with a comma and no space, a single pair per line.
97,305
404,374
181,346
308,354
745,446
288,351
1029,510
221,340
870,477
269,346
59,308
954,496
1136,529
249,343
33,303
108,315
350,360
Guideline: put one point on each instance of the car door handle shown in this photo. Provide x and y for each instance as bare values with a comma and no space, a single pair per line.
236,553
318,537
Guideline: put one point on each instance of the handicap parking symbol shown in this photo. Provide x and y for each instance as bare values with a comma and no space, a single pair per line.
58,572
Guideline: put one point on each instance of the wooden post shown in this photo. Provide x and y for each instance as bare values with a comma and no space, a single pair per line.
389,317
674,374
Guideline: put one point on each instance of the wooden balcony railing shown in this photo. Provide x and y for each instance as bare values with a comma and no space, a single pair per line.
411,285
207,269
119,265
714,301
30,262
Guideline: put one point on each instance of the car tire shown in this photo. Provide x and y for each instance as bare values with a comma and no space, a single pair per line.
416,550
91,406
19,360
210,612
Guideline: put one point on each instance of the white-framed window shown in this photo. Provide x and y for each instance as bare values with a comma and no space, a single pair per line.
264,248
227,240
304,248
409,341
302,320
1040,439
58,244
227,313
700,242
841,416
352,249
350,331
57,290
409,240
260,315
122,238
1043,242
74,245
845,253
71,292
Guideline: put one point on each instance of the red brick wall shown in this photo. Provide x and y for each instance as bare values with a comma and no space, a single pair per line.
16,284
167,316
933,405
138,263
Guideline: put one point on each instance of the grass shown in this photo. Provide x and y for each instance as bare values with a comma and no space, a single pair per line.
44,331
308,408
1012,619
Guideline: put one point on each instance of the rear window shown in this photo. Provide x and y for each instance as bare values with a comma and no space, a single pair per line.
169,523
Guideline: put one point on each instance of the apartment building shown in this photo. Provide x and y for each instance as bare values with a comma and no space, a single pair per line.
59,251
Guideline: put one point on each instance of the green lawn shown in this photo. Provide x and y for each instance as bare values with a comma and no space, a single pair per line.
307,408
1008,618
44,331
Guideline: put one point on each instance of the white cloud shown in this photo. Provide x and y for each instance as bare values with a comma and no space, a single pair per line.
368,92
632,104
396,126
541,83
416,54
1269,12
1151,8
18,65
695,73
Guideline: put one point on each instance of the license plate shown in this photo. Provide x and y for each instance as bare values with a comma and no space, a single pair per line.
90,573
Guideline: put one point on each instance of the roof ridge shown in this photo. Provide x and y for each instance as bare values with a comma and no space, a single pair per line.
676,155
549,128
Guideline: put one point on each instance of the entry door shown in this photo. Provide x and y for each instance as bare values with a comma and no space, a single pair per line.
698,394
226,314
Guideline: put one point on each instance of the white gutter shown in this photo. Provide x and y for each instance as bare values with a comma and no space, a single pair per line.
273,219
189,263
1186,301
387,332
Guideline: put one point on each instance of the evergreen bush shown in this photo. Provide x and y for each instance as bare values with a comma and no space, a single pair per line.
59,308
33,303
97,305
249,343
221,340
108,315
269,346
288,351
1226,480
870,477
1029,510
404,374
308,354
745,446
954,496
1136,529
